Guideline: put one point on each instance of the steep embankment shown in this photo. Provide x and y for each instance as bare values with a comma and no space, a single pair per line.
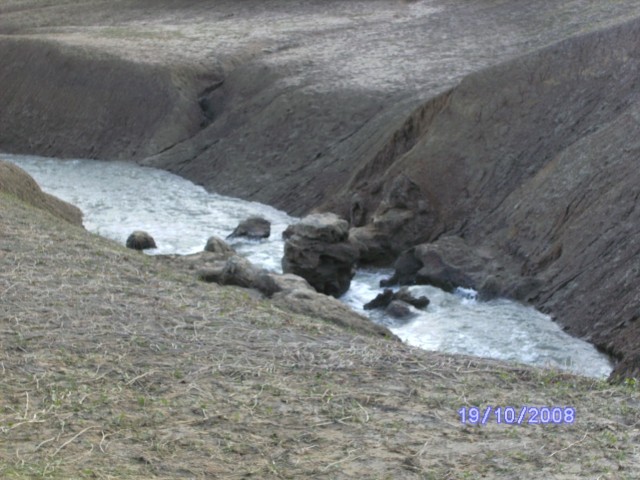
537,157
74,102
294,100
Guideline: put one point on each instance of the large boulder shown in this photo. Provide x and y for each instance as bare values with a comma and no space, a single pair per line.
253,227
140,240
318,249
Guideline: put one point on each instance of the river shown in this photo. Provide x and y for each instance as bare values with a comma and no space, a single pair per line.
118,197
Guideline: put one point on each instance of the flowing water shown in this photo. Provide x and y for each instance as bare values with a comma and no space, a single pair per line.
117,198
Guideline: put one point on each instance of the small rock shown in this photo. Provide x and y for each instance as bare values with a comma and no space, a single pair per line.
399,309
381,301
217,245
404,295
140,240
252,227
211,275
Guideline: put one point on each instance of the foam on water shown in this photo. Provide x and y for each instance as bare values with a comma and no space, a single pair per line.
117,198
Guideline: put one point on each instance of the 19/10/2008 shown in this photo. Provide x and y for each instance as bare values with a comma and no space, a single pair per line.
517,416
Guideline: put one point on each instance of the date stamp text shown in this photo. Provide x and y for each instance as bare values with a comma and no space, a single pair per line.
517,415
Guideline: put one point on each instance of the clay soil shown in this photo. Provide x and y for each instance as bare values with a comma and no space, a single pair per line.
114,366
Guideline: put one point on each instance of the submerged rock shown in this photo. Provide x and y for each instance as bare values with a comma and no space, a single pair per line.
318,250
252,227
141,240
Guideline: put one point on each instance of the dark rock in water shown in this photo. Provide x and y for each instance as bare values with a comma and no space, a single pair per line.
449,263
406,266
140,240
252,227
404,295
317,249
381,301
399,309
217,245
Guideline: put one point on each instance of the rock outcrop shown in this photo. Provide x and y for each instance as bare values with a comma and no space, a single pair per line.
318,249
314,304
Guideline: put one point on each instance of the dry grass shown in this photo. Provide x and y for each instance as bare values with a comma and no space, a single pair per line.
114,366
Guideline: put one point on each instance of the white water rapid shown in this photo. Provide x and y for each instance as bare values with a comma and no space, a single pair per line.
117,198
